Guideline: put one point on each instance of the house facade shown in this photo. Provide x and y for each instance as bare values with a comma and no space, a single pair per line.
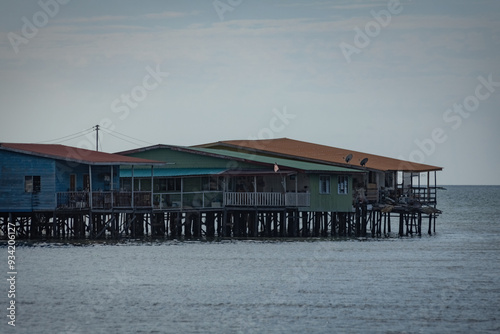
37,177
195,178
381,179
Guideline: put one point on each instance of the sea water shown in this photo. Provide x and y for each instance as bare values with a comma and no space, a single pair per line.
445,283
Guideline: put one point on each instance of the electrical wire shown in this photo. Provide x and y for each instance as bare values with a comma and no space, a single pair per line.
68,137
128,141
114,133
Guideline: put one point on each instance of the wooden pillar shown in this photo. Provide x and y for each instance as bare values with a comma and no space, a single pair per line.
62,224
238,224
79,227
145,225
305,224
33,226
412,222
224,223
358,220
282,223
388,223
173,217
434,222
219,216
210,224
158,224
196,224
401,222
350,225
267,219
409,223
139,223
324,231
373,223
255,223
379,223
290,219
275,224
363,220
419,226
341,223
54,225
315,229
430,224
188,226
335,224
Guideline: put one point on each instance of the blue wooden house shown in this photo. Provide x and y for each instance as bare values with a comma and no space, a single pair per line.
43,177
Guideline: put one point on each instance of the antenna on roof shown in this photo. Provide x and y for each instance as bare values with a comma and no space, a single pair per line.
348,158
363,162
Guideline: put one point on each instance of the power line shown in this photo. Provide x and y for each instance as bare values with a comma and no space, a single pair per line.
68,137
124,135
128,141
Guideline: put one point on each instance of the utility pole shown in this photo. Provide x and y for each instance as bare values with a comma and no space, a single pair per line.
97,137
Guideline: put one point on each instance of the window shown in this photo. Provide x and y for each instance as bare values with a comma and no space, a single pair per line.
126,184
324,184
211,183
72,182
174,184
343,182
142,184
161,184
32,184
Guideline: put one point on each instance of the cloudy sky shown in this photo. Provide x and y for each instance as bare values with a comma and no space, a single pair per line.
417,80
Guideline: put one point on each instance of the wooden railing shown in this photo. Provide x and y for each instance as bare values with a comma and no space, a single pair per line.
103,199
424,194
298,199
266,199
187,200
108,200
72,200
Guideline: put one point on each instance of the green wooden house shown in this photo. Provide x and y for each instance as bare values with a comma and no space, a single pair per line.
204,178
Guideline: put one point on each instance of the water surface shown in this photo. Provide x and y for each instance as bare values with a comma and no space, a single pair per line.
445,283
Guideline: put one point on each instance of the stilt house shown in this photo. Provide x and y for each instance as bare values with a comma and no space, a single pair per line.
42,177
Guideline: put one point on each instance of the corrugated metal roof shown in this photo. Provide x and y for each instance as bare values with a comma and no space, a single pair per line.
295,149
80,155
281,162
170,172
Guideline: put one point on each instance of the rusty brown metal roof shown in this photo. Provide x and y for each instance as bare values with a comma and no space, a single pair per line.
80,155
295,149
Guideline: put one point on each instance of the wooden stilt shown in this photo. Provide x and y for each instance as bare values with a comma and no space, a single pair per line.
419,227
430,225
401,222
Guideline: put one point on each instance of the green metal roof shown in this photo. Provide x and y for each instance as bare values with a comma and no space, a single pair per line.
302,165
170,172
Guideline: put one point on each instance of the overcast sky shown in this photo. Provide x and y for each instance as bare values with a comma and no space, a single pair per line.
417,80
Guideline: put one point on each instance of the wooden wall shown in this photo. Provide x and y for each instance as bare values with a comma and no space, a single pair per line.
14,168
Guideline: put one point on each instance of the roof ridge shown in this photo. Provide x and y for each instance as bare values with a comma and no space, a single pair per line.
71,153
